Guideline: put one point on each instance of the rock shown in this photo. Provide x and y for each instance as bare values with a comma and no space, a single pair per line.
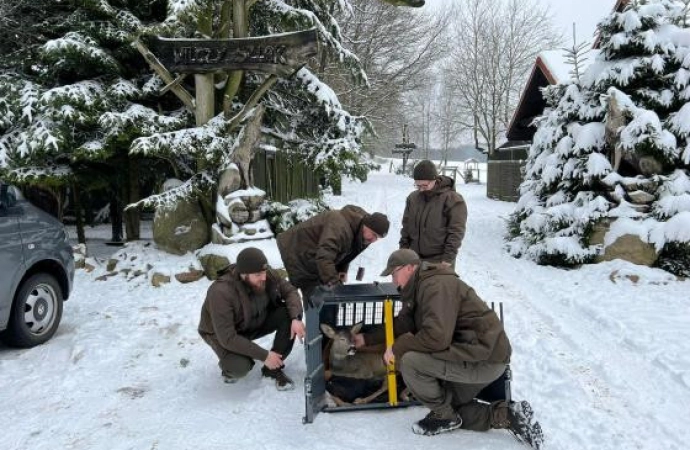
254,216
650,166
599,231
217,237
171,183
190,276
254,201
238,212
112,263
181,228
158,279
212,264
88,267
631,248
641,197
230,181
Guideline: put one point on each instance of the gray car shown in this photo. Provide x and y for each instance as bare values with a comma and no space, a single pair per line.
36,270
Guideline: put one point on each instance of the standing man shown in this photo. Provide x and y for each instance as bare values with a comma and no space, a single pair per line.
249,300
433,223
449,346
318,251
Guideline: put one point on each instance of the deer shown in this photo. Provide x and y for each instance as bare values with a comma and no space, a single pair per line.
344,360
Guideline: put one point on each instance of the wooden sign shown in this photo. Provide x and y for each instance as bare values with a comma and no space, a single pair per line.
280,54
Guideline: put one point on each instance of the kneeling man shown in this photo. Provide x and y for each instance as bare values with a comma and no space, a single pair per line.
250,300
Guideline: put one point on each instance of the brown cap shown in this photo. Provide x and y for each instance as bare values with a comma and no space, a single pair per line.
251,260
425,170
398,258
378,223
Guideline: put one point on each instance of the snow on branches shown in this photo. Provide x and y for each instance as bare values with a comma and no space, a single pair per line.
613,147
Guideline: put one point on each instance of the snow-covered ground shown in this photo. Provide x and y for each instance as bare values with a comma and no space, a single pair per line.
601,353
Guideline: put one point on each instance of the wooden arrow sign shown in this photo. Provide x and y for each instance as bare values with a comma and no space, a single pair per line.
280,54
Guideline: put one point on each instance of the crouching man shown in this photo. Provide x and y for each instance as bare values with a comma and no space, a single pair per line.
449,346
250,300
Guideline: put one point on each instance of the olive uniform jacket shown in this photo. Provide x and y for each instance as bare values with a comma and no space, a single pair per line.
443,316
433,223
227,312
316,250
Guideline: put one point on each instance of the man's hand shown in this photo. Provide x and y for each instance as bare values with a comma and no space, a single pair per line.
273,360
342,276
297,329
388,356
358,339
444,264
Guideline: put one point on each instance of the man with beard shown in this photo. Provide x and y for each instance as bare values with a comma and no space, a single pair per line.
250,300
433,223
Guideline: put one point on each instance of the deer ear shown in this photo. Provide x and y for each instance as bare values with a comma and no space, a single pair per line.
328,330
356,328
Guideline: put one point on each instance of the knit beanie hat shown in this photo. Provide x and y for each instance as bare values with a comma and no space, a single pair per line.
378,223
251,260
425,170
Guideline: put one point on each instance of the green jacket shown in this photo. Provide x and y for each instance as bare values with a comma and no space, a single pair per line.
316,250
227,312
443,316
433,223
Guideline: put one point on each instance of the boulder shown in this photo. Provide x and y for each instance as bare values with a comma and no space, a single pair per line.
180,228
631,248
230,181
171,183
189,276
158,279
212,264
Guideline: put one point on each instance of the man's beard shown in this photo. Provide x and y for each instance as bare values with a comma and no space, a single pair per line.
260,289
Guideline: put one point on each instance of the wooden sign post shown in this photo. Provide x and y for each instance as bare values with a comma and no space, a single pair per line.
280,54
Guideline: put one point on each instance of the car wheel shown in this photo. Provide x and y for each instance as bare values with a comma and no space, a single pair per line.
36,312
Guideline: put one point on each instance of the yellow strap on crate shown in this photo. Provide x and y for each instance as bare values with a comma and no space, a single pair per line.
390,338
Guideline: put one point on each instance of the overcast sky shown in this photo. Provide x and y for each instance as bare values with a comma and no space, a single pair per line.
585,14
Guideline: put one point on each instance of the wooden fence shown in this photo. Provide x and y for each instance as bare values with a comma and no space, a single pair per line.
284,177
503,180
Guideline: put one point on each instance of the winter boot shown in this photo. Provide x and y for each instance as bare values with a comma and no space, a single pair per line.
228,379
283,382
434,424
521,427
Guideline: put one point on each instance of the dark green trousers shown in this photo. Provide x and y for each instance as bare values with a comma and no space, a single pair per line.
236,365
449,387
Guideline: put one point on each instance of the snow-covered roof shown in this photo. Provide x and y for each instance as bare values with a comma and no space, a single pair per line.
554,62
550,67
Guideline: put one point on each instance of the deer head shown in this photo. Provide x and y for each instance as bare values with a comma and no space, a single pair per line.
343,341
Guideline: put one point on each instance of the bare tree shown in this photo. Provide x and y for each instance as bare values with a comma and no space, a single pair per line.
419,110
396,46
495,45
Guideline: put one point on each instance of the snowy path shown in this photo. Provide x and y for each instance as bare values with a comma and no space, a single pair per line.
578,354
600,352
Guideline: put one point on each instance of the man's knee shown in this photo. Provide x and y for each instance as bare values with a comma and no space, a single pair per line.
236,366
411,362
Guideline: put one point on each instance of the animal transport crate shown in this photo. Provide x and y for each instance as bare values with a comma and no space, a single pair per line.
363,303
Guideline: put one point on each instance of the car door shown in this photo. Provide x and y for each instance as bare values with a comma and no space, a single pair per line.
11,258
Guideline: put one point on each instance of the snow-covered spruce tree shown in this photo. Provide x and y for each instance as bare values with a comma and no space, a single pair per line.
619,136
78,97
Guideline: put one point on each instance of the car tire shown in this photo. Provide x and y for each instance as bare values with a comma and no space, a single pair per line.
36,312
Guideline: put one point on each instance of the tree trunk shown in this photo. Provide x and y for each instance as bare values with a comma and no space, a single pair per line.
115,216
132,223
76,197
